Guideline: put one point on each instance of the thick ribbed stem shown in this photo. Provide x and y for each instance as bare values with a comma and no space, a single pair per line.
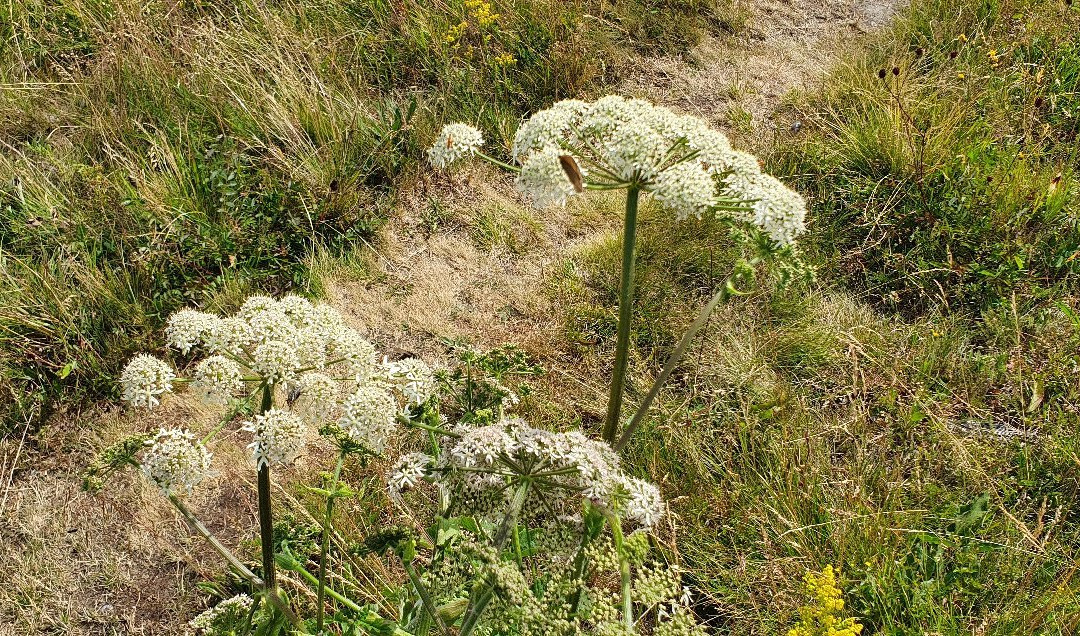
266,515
626,301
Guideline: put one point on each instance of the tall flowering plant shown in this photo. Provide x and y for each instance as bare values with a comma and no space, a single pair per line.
298,368
530,531
617,143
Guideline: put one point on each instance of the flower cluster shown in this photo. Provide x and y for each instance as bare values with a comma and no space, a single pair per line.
619,142
562,468
226,616
278,437
455,141
176,462
325,370
821,616
144,379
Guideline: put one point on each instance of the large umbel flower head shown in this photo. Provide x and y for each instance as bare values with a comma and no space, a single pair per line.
562,467
617,142
316,368
176,462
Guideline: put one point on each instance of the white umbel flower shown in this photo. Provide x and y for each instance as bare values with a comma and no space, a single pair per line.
235,608
358,354
686,189
547,127
643,505
368,416
187,328
479,459
297,308
275,361
479,447
543,180
216,379
318,394
176,462
455,141
412,379
409,471
617,142
778,210
256,306
278,437
144,379
230,335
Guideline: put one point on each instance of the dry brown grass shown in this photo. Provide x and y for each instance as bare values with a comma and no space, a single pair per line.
463,260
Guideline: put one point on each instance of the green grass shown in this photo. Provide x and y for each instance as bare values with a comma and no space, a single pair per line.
944,158
912,416
167,154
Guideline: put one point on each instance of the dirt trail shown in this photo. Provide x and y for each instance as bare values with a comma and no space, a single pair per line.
76,564
435,285
786,45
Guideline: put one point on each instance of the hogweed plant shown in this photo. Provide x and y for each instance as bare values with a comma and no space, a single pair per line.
297,368
530,531
617,143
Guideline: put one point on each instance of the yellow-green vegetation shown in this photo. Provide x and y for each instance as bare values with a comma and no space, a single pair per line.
158,154
912,416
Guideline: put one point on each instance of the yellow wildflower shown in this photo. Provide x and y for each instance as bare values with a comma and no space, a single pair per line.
481,11
821,616
454,33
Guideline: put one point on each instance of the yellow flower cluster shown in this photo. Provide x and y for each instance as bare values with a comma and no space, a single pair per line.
481,12
821,616
454,33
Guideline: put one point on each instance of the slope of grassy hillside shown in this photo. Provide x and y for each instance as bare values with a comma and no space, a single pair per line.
911,417
162,154
927,446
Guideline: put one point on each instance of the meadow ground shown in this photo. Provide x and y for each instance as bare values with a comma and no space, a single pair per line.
911,417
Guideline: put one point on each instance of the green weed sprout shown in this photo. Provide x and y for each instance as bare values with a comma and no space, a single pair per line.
617,143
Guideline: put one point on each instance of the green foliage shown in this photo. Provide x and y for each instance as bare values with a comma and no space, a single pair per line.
211,149
482,385
117,457
942,162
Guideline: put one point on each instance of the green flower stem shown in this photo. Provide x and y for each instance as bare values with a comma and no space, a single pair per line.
482,592
624,571
726,291
495,161
198,527
404,421
231,558
511,518
266,516
425,598
626,299
367,616
581,563
324,550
